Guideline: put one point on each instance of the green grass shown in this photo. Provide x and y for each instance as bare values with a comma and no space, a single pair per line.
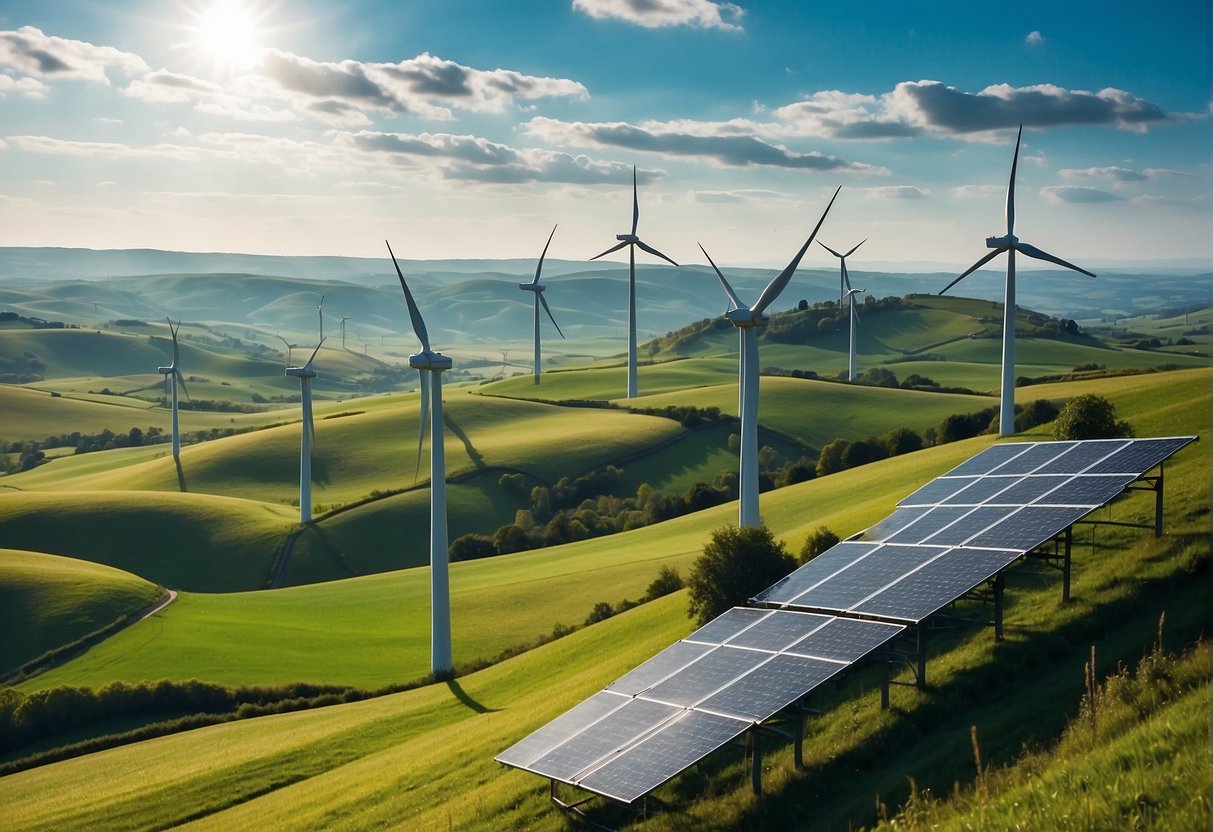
47,601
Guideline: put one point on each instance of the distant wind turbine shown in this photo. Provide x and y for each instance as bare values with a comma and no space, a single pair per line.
844,279
290,349
537,288
1010,244
748,320
305,374
344,318
852,363
320,312
433,363
633,242
172,376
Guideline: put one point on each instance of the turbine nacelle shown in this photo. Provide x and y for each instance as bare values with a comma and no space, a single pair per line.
627,238
532,287
747,318
1005,241
164,371
428,360
300,372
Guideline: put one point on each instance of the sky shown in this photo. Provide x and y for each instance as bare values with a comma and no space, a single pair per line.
467,129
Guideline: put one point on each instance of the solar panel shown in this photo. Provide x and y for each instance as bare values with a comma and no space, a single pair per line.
937,490
970,525
987,460
934,520
1088,490
937,584
1139,456
981,491
1029,527
715,670
818,569
844,640
860,580
1033,457
784,679
1082,456
524,752
665,664
894,523
777,632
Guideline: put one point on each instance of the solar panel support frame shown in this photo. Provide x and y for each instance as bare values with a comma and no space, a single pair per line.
574,808
1154,484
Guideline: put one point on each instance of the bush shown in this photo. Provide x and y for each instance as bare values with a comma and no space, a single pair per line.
471,547
601,612
668,580
902,441
820,540
735,564
1089,417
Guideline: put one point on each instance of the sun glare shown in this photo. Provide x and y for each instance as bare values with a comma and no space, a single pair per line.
227,32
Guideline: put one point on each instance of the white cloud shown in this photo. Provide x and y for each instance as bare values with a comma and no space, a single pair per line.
1034,38
737,196
1077,194
47,145
32,52
1149,201
654,14
1110,173
897,192
981,191
28,87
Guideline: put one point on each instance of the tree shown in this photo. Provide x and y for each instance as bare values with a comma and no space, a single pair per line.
1089,417
830,458
509,539
735,564
820,540
903,441
471,547
668,580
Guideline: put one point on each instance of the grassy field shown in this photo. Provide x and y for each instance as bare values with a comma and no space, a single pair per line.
47,601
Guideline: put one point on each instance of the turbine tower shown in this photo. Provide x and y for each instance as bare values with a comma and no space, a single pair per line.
748,320
852,364
433,363
172,376
844,279
633,242
305,374
537,288
1010,244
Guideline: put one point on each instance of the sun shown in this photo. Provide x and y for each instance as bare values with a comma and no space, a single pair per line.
227,32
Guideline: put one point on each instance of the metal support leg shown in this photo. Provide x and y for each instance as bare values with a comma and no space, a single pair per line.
756,771
798,741
920,637
999,586
1065,566
1158,503
885,671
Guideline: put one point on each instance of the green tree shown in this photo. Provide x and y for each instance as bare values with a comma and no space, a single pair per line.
903,441
830,458
735,564
668,580
818,541
1089,417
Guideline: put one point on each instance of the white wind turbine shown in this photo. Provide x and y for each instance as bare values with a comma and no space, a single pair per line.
305,374
344,318
433,363
748,320
1010,244
852,363
844,279
633,242
172,376
290,349
320,312
536,287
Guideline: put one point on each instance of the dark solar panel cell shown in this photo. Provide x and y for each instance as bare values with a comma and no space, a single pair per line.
852,585
936,491
981,491
818,569
1028,490
846,639
988,460
608,735
639,770
1034,457
931,522
713,671
726,625
560,729
771,688
778,630
1082,456
923,592
894,523
969,525
1029,527
1088,490
1139,457
666,663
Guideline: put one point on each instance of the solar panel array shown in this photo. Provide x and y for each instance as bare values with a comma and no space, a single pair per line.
747,665
693,697
962,528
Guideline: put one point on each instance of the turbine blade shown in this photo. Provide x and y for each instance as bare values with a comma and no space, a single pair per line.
1011,186
414,312
310,427
539,266
181,379
827,248
308,364
425,411
173,331
846,276
547,309
857,245
609,250
646,247
974,268
635,203
1033,251
776,286
728,290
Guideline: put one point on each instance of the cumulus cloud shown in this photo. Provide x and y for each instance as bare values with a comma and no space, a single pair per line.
165,87
1077,194
654,14
49,146
1150,201
30,51
28,87
897,192
970,191
736,196
727,149
1034,38
1111,173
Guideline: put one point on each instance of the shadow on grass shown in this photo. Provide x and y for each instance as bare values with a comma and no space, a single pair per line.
473,454
180,474
460,694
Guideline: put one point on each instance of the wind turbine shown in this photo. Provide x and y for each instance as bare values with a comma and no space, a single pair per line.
844,279
305,374
320,312
172,376
1010,244
852,364
633,242
536,287
433,363
748,320
290,349
344,318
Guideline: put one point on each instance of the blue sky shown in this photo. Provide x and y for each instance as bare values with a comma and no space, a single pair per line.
466,129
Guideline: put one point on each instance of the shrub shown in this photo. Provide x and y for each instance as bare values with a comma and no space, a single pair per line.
735,564
1089,417
601,612
471,547
668,580
820,540
902,441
